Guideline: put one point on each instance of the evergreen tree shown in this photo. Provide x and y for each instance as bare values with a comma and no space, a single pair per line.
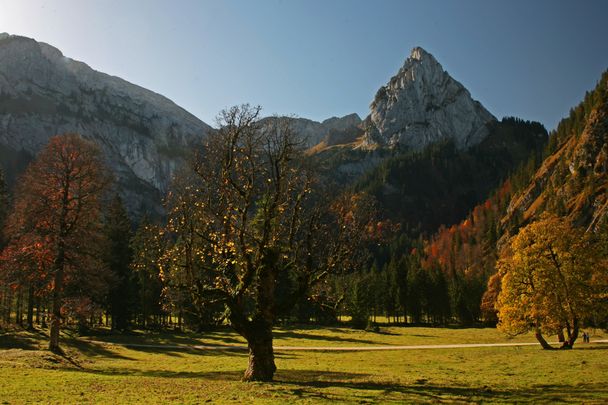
117,257
360,301
148,245
4,204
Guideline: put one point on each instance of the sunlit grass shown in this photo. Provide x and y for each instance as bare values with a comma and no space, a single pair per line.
108,373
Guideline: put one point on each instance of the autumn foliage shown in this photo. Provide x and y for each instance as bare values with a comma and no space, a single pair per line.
54,227
553,281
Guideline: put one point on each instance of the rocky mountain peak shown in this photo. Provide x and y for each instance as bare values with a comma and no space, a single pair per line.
423,104
418,53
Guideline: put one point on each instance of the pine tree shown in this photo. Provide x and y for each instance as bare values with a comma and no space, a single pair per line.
4,204
117,257
148,246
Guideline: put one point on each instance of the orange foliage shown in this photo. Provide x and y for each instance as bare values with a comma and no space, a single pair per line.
56,218
463,248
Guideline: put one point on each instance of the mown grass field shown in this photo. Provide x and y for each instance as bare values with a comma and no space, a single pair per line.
97,372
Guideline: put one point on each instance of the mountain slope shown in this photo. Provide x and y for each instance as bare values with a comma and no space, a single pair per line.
570,182
144,135
573,179
441,184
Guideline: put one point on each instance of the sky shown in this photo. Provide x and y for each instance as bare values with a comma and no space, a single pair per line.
321,58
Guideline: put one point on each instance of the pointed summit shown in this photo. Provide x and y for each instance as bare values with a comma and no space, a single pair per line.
423,104
419,53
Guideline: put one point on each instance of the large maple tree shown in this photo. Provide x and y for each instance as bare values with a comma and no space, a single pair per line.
54,227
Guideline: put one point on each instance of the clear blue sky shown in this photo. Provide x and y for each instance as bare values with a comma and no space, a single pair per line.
316,59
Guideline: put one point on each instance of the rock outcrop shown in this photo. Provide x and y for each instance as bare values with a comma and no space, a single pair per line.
423,104
144,135
313,132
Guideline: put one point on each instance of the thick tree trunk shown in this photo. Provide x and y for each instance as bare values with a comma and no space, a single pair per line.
261,356
542,341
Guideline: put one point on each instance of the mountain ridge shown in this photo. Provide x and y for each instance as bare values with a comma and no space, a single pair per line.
144,135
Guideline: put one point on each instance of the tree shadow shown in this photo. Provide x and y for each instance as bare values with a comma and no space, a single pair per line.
179,351
19,341
289,334
311,383
232,375
93,349
159,338
316,385
600,346
423,336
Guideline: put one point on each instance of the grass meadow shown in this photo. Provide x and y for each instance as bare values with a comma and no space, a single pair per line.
98,369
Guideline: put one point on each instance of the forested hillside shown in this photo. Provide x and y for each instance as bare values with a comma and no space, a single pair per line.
438,186
570,182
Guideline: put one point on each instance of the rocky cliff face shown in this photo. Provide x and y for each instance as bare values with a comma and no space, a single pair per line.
573,181
423,104
144,135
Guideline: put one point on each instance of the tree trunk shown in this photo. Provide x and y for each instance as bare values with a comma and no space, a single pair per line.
572,336
57,302
38,311
30,307
19,314
542,341
261,355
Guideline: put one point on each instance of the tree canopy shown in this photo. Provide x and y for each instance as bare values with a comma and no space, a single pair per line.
552,280
55,229
249,212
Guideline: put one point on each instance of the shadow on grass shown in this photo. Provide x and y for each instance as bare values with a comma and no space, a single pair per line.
28,341
289,334
312,384
222,335
344,387
179,352
346,328
91,349
596,346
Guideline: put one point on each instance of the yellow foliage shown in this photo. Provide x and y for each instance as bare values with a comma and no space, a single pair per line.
550,278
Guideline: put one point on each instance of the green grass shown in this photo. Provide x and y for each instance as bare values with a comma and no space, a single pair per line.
108,373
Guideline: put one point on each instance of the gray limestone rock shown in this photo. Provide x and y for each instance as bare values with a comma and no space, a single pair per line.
423,104
144,135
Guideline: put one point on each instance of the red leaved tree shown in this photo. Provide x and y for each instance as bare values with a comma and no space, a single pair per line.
54,228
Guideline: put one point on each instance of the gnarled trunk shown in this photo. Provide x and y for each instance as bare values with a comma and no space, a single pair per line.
261,357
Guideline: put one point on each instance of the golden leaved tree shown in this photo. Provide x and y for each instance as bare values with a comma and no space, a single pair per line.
553,278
